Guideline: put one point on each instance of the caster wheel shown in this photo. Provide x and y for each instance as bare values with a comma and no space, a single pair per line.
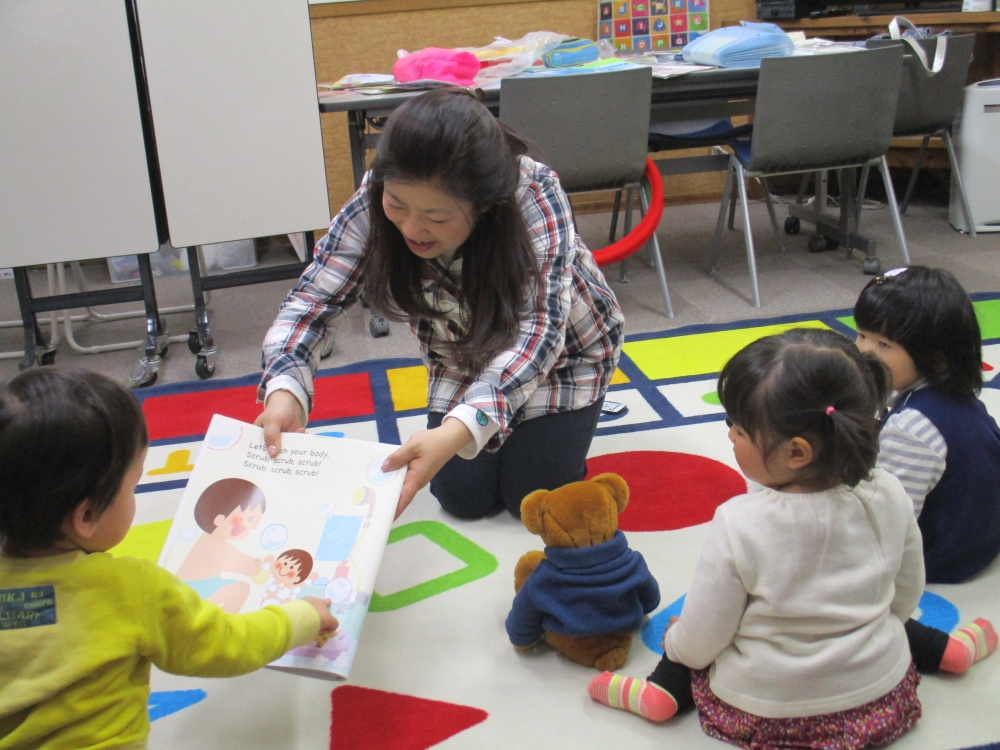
147,383
872,266
379,327
203,369
194,341
820,244
162,354
49,358
792,225
364,300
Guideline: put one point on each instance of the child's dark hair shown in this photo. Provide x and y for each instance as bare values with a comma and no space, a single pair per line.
928,313
784,386
66,435
450,140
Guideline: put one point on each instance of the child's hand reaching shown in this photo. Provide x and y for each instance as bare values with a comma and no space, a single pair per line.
327,622
663,643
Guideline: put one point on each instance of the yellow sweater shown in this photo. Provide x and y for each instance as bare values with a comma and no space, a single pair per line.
78,633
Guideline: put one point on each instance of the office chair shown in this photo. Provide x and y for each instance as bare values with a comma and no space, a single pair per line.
928,105
814,113
591,129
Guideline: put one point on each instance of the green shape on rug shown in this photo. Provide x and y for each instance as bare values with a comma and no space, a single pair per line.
988,312
712,397
700,353
478,564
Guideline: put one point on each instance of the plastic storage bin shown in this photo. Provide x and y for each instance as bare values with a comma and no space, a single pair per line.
167,262
228,256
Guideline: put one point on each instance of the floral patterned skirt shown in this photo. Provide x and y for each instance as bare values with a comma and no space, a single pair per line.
877,723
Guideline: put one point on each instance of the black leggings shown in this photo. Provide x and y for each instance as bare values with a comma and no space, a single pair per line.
926,647
540,454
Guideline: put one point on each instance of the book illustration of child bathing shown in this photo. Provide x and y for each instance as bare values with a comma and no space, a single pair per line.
226,512
252,531
287,575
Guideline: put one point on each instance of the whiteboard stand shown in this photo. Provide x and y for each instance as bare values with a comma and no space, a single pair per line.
231,88
74,154
38,349
200,340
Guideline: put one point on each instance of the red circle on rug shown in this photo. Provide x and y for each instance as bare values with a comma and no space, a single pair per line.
669,490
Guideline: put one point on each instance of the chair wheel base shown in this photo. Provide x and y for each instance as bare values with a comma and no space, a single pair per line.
378,327
792,225
820,244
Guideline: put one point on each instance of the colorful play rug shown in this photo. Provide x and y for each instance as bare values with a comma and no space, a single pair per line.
434,666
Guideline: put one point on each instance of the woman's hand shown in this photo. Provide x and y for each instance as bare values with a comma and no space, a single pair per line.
425,453
283,413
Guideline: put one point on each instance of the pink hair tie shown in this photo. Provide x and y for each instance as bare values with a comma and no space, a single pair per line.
830,410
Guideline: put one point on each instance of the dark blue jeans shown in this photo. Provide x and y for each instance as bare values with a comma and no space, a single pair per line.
541,454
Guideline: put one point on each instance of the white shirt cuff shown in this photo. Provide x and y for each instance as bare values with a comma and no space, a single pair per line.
290,384
481,433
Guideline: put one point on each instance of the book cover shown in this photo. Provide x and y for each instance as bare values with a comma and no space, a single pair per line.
313,521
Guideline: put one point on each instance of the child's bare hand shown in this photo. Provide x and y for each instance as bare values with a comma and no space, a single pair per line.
663,643
327,622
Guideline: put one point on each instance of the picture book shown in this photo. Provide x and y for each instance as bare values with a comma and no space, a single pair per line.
313,521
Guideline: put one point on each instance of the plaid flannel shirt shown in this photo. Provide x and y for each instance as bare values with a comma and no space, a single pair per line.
564,354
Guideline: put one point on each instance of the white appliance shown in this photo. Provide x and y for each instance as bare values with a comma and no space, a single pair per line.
978,144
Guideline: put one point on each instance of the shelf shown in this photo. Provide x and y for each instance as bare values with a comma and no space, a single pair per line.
846,26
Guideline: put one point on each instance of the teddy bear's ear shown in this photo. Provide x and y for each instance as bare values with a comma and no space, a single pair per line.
616,486
531,511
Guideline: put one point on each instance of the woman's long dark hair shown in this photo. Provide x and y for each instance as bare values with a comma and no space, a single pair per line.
450,140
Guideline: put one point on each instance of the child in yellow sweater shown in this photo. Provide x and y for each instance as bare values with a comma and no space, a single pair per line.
78,627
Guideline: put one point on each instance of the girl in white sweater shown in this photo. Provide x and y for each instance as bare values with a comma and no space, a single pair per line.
792,631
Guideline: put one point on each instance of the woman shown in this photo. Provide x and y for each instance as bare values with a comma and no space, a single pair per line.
459,233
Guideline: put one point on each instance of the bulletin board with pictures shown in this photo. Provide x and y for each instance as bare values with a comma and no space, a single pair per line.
652,25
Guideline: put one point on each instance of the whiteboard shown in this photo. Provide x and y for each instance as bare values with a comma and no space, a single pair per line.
74,183
232,88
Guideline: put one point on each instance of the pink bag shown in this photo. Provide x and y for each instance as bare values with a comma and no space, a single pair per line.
437,64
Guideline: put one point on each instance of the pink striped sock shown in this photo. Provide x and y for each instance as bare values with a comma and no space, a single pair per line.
641,697
969,644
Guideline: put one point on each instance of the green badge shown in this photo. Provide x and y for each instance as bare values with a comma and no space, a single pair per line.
482,419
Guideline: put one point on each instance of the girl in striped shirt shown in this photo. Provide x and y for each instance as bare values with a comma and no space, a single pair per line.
937,437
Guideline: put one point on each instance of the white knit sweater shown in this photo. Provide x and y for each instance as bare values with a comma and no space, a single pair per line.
799,600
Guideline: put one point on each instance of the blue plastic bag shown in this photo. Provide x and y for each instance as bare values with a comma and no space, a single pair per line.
742,46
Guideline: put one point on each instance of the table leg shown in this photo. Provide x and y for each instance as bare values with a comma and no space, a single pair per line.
356,136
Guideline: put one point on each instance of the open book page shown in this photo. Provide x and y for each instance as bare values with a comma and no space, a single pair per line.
253,531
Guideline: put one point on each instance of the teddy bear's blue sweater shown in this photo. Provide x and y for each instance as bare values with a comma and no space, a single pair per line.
595,590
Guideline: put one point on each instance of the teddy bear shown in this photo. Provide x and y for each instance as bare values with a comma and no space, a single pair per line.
587,593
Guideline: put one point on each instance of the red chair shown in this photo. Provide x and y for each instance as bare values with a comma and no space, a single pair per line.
643,232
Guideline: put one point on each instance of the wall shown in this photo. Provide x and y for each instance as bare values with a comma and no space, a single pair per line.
362,38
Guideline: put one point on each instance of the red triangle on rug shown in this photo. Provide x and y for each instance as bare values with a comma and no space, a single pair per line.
364,719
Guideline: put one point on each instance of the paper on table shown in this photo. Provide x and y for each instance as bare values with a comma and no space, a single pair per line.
355,80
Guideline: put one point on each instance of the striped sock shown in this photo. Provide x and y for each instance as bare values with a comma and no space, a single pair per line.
969,644
641,697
